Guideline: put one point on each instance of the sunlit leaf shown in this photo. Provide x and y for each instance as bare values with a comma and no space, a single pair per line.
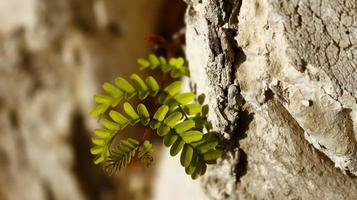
172,119
184,126
129,110
125,86
173,88
191,136
161,113
192,109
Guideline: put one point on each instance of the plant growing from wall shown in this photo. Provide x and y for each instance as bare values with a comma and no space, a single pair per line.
179,118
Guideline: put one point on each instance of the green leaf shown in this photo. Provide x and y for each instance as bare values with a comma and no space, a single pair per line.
173,88
140,86
98,110
169,139
186,155
133,141
154,124
185,71
190,169
112,90
130,143
125,86
177,62
172,119
192,109
118,118
99,159
161,113
172,103
145,147
162,60
207,145
109,124
176,73
143,63
129,110
203,169
143,113
212,155
198,170
102,99
176,147
191,136
166,68
153,85
146,153
164,98
201,98
102,133
184,126
122,154
194,162
185,98
205,110
154,61
96,150
98,141
163,130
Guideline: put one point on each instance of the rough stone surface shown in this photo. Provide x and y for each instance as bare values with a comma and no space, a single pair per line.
54,56
281,82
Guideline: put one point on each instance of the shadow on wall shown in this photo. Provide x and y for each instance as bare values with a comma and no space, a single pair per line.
54,56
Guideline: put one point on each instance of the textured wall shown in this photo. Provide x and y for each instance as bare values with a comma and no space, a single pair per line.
281,83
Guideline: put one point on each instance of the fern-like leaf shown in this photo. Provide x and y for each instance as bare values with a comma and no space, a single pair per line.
101,144
121,155
181,120
175,66
124,89
145,153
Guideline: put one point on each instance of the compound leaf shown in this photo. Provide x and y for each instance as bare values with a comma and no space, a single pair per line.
145,153
122,154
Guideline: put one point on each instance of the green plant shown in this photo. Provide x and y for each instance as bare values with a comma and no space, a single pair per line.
180,118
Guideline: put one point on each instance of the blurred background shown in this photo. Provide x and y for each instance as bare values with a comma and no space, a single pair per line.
54,55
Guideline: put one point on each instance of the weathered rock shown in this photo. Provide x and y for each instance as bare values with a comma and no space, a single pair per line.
291,66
